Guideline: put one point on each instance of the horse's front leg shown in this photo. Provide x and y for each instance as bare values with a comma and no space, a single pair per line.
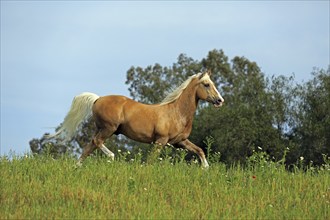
197,150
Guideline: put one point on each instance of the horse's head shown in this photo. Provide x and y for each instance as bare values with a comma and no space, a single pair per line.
207,91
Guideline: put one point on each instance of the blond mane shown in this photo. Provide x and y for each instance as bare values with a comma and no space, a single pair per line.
175,94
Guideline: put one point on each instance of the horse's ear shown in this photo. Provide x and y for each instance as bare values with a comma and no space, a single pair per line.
208,72
201,76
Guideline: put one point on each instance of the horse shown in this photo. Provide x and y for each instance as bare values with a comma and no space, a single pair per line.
168,122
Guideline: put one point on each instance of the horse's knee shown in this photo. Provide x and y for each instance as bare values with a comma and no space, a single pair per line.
161,141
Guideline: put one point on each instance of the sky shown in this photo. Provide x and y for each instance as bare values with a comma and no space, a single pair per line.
52,51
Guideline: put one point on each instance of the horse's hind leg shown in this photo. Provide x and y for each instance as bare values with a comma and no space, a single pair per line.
107,152
97,142
99,139
86,152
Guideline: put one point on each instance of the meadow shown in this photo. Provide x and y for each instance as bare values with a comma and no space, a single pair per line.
38,187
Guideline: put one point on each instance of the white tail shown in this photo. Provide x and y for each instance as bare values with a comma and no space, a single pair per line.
81,110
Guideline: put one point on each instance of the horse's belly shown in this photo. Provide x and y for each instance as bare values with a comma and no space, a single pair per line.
140,134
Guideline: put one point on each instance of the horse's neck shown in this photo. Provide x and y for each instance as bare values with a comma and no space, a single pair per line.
187,103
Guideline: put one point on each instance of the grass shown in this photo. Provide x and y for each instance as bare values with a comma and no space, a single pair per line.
41,187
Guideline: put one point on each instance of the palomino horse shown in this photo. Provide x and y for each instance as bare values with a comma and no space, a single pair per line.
169,122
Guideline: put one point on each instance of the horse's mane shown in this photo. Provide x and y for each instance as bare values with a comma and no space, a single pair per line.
175,94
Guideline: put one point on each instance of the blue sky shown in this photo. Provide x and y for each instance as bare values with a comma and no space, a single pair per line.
54,50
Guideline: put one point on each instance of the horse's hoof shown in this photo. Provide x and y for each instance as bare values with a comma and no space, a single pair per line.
78,165
206,167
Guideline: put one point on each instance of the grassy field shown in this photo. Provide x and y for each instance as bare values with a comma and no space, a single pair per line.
41,187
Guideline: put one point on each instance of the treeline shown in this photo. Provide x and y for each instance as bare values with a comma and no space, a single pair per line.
274,114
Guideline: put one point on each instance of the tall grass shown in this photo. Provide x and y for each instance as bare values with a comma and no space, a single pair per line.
167,188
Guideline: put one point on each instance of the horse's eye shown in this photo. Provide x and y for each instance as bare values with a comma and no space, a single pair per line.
207,85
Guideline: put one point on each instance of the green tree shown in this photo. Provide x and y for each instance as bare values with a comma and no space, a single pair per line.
150,85
311,128
269,114
246,120
55,147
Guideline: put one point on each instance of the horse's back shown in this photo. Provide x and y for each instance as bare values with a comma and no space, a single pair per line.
133,119
118,101
112,99
120,108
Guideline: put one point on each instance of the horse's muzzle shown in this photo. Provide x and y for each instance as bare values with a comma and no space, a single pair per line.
218,103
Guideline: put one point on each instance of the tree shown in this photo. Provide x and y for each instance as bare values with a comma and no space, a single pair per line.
272,114
56,148
246,120
311,129
150,85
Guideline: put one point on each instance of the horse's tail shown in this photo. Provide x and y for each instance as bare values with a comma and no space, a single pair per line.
81,110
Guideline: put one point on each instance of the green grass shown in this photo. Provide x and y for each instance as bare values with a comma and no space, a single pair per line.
41,187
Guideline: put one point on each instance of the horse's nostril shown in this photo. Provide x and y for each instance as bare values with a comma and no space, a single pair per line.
219,101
